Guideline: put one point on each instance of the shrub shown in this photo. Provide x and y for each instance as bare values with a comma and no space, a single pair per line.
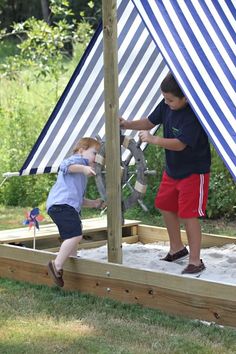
222,192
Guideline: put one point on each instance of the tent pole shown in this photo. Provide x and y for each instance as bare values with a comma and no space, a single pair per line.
112,130
7,175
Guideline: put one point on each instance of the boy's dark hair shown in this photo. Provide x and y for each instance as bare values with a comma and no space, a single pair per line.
170,85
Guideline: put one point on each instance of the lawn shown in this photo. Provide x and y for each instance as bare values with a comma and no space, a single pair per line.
38,319
13,217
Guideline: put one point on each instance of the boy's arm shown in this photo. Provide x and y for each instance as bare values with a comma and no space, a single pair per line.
96,203
141,124
86,170
167,143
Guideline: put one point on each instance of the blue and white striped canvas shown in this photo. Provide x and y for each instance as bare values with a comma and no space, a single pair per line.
196,38
80,110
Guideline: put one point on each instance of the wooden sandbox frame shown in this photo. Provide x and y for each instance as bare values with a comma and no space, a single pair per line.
174,294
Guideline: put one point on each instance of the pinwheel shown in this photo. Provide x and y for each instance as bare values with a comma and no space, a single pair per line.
33,218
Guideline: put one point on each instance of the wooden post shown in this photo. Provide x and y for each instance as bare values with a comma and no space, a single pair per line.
113,180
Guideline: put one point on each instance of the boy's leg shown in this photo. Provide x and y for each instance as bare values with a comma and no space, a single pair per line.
193,193
69,224
74,253
167,202
68,248
194,234
173,227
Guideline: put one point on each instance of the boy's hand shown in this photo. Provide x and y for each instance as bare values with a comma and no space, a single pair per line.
145,136
99,203
88,171
122,123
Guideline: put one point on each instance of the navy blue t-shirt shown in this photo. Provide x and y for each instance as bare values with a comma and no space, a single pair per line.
183,125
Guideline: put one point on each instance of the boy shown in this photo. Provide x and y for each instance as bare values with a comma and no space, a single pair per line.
183,190
66,199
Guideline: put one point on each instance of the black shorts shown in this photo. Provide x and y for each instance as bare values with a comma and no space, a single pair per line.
67,220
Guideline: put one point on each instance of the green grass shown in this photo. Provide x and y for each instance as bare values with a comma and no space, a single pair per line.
12,217
38,319
214,226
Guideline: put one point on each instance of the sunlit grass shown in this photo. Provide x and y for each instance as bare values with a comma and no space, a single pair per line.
38,319
12,217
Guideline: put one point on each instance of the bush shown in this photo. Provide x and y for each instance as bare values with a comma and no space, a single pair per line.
222,192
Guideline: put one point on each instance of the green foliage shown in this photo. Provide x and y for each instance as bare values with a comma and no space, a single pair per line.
155,161
84,33
89,11
24,108
20,10
60,8
43,46
31,80
22,115
222,193
8,49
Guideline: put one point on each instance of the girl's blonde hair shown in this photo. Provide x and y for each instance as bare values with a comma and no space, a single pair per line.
86,143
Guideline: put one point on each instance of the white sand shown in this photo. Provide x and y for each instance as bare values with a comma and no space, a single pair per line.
220,262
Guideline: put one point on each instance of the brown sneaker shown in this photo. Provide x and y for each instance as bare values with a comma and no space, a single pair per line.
55,275
173,257
193,269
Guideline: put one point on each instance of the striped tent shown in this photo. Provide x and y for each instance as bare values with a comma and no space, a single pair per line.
194,39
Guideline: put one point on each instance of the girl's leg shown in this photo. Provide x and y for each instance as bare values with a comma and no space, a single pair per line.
173,227
68,248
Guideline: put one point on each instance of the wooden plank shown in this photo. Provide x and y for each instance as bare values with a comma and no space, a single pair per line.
112,130
189,297
95,244
50,230
149,234
130,230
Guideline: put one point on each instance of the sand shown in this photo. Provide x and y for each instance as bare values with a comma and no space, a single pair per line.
220,262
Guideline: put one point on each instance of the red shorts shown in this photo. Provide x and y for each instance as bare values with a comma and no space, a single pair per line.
187,197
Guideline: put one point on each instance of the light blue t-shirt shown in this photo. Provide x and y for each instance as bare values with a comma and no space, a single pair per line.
69,187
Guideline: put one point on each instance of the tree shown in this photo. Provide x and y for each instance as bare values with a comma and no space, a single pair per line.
46,10
43,46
